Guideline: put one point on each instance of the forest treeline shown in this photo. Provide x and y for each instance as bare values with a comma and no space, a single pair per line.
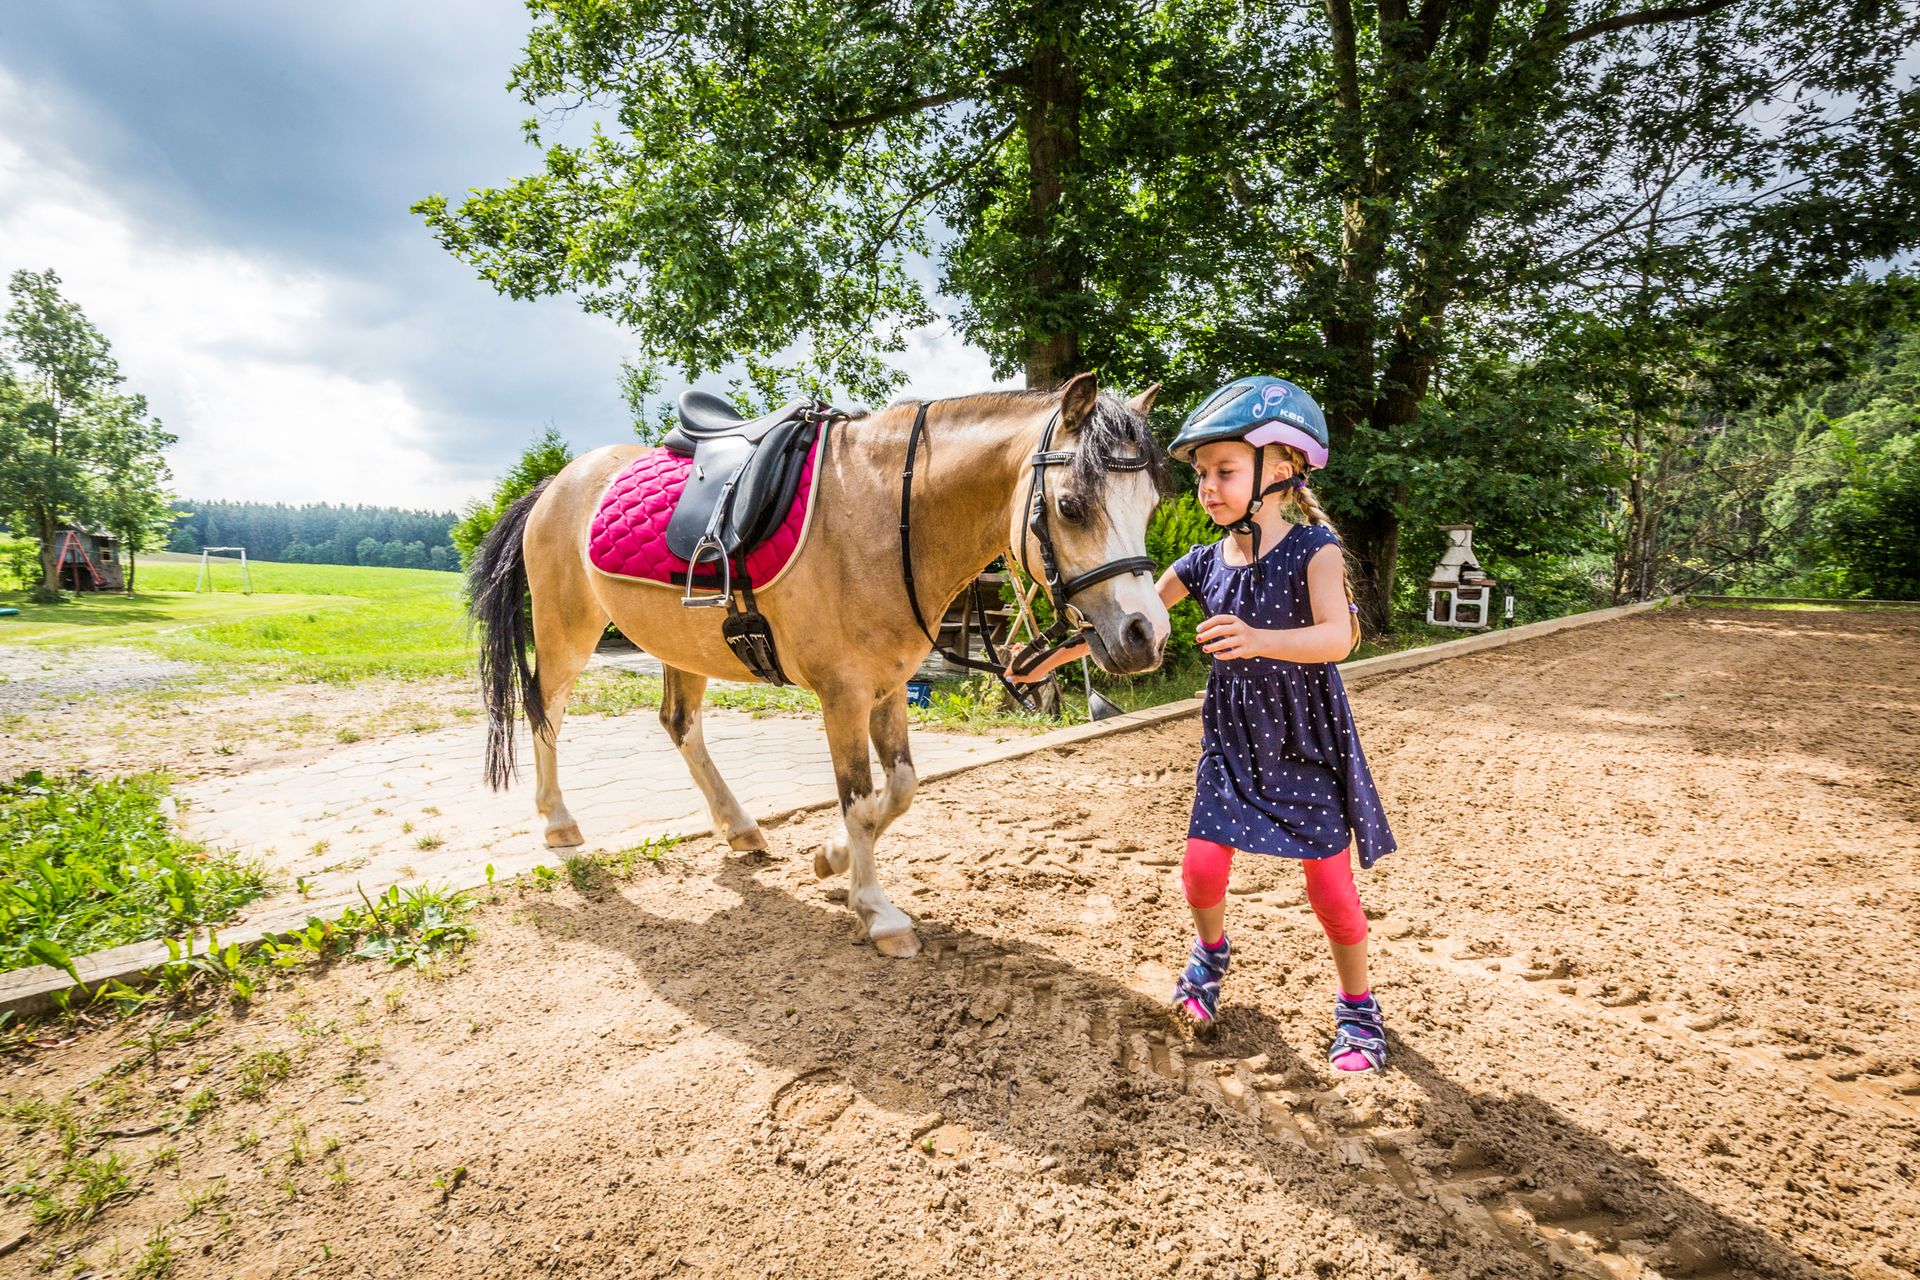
319,533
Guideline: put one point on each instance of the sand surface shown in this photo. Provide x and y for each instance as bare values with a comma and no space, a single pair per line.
1647,954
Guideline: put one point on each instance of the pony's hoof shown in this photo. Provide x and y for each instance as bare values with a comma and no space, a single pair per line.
823,862
748,842
566,837
898,946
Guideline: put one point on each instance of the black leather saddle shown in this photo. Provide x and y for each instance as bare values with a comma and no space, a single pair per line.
705,416
744,477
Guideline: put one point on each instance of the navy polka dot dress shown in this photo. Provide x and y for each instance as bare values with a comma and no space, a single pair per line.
1281,770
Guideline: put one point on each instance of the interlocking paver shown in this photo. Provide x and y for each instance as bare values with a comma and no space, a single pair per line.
357,815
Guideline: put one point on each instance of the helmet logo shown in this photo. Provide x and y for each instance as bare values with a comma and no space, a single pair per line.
1272,395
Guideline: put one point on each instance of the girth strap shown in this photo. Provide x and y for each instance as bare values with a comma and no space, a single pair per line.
906,520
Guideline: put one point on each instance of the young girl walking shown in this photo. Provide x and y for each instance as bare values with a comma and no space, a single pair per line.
1281,770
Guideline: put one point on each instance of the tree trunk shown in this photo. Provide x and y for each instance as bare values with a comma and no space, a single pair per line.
1372,539
1053,151
47,526
1627,558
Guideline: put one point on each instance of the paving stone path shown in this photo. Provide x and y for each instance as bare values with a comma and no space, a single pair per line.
413,808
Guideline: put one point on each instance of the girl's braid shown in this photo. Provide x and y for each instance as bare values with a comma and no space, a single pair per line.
1298,497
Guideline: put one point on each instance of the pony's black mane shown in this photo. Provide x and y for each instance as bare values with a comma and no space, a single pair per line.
1112,432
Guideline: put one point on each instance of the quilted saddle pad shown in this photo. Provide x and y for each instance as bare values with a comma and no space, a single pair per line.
628,538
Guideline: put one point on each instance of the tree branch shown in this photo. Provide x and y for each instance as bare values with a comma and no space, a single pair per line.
1007,75
1433,21
1346,69
1645,18
945,180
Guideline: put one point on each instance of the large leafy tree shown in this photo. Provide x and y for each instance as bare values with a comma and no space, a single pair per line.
1361,195
61,369
1416,185
766,176
133,499
74,448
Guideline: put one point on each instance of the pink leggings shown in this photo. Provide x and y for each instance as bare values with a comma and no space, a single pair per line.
1329,887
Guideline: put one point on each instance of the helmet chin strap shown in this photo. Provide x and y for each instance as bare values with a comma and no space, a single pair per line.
1245,525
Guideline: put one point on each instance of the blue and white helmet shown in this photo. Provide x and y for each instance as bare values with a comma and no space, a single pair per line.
1259,411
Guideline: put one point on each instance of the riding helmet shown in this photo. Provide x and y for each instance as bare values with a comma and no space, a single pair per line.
1259,411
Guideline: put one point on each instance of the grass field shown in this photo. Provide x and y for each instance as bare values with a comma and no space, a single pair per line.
303,621
341,624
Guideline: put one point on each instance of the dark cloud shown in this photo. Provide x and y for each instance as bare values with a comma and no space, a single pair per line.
298,136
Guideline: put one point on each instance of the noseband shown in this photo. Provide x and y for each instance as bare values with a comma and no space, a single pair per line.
1068,623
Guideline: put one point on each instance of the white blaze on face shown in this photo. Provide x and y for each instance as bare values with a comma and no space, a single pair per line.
1130,502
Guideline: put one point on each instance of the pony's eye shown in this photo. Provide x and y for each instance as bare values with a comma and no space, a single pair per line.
1071,508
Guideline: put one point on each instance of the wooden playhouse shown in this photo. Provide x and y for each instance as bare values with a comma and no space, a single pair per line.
88,561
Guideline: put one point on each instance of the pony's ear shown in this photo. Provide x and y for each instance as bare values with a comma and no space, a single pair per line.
1142,404
1077,398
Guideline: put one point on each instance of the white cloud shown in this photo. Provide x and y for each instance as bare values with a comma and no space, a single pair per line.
215,342
938,362
398,379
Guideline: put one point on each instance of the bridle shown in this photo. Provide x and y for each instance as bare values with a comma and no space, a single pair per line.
1068,622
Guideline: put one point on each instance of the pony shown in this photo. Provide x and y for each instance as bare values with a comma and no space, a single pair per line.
1066,479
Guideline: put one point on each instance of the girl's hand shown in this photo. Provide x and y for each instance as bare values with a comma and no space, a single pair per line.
1227,637
1059,659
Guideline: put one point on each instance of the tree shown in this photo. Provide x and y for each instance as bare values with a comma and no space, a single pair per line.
1812,494
133,501
546,455
1441,182
59,369
1361,196
773,171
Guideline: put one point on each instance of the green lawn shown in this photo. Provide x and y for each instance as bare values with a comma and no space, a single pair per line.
303,621
344,623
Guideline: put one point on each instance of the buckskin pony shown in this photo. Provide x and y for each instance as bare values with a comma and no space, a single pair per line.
1066,480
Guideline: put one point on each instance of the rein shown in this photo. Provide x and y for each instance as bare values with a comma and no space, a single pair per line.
1068,623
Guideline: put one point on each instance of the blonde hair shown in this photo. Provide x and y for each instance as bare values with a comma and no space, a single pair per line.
1298,503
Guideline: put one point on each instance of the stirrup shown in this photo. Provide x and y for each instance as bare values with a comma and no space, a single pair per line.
688,600
1359,1029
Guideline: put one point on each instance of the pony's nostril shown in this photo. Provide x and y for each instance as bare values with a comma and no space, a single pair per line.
1138,633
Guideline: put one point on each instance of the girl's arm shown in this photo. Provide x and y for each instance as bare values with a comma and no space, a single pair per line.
1172,592
1329,639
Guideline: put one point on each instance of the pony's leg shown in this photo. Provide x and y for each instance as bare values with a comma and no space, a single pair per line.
848,726
888,727
681,693
564,635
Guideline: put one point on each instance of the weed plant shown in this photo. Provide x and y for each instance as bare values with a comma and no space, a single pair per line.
87,864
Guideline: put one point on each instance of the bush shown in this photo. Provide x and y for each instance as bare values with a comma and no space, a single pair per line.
20,561
1870,531
547,455
1179,524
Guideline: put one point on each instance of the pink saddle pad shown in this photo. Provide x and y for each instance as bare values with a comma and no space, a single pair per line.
629,534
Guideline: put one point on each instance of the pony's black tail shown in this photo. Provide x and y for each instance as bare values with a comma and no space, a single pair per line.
497,601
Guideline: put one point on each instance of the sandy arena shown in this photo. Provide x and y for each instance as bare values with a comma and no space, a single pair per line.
1647,954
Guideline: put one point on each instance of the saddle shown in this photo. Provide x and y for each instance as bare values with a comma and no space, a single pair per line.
741,485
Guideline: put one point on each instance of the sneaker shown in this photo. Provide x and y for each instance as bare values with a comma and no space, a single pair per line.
1198,989
1361,1031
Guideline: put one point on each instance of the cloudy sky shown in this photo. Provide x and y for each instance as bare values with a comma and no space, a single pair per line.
223,188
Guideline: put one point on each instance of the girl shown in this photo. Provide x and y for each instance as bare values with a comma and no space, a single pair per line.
1281,770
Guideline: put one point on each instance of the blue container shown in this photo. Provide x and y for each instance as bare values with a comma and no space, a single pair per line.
919,693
